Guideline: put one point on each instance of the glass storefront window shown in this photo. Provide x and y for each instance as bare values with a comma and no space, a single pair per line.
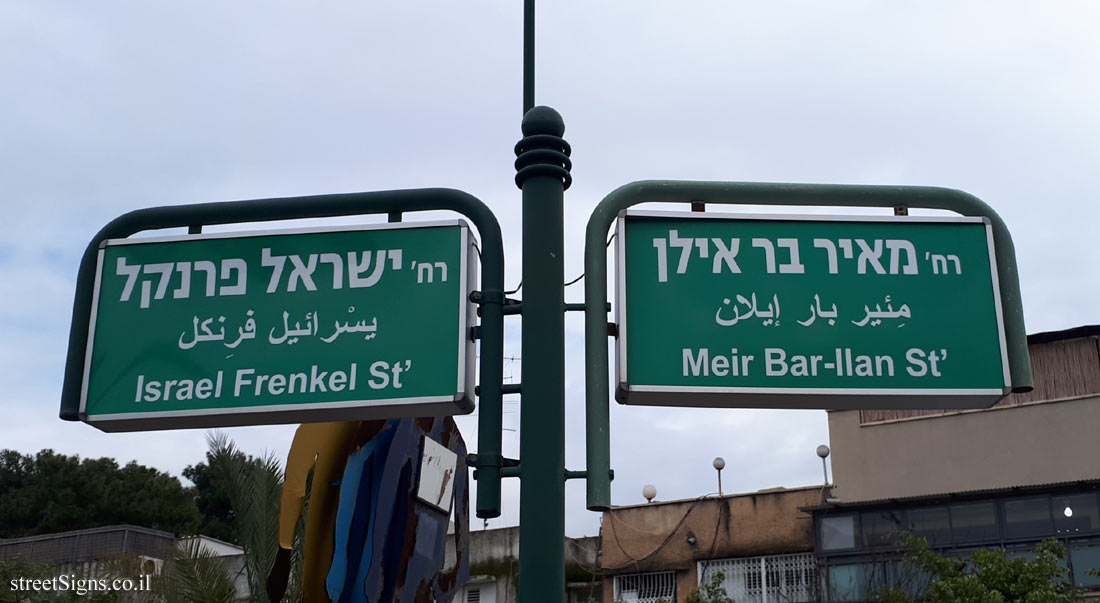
974,522
838,532
1028,517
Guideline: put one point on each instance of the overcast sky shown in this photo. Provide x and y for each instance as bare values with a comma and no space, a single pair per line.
106,107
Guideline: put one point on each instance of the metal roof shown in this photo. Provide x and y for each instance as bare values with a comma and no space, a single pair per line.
1071,333
715,496
959,495
90,544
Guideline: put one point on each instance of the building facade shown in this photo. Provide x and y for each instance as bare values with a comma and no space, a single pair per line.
1045,436
857,552
494,567
88,547
1026,469
96,552
761,542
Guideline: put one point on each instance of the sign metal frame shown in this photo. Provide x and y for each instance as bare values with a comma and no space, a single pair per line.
703,193
193,217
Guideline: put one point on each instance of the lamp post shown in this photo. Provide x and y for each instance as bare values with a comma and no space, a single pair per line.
542,165
823,452
719,464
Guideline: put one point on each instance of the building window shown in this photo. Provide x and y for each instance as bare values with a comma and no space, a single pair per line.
974,522
855,581
838,532
1027,517
1085,558
932,523
879,527
645,588
772,578
907,577
1076,514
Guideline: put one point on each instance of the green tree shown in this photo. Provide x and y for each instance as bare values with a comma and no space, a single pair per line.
987,575
254,487
251,486
194,575
212,485
216,482
81,582
51,492
248,490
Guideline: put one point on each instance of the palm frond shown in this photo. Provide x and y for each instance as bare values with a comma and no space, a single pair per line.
255,488
194,574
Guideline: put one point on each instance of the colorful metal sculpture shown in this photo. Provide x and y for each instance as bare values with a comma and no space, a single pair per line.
368,537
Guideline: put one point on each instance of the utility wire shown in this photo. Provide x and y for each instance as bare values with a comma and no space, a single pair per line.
572,282
636,561
608,244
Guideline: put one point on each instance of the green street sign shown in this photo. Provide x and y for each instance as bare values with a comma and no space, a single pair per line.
267,327
808,312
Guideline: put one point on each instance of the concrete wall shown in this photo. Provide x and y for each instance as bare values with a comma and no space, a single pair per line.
658,536
487,546
1004,447
1040,437
495,554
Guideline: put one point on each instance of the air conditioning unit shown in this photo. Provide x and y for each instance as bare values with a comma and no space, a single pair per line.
150,565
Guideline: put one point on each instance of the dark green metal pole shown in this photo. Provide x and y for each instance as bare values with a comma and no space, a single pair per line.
528,55
543,175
